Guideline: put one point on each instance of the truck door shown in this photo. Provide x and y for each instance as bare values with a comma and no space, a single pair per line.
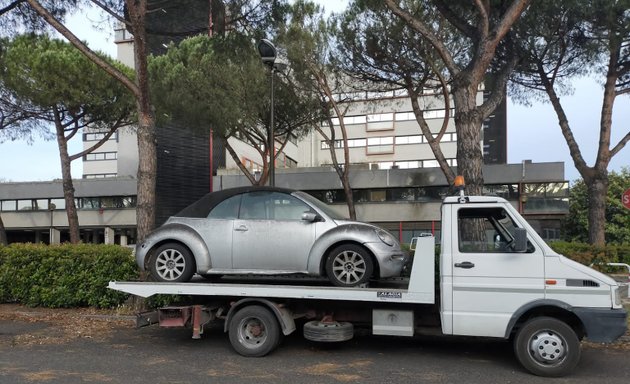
489,280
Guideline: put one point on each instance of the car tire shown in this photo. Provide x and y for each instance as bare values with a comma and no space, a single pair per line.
173,263
547,347
349,265
254,331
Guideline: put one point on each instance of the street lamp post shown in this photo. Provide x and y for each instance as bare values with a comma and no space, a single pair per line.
267,52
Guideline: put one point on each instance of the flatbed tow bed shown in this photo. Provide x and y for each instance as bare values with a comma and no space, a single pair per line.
291,289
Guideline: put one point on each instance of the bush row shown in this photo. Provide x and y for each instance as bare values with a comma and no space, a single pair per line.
77,275
64,275
591,254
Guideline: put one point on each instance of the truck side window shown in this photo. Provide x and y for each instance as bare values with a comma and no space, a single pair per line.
486,230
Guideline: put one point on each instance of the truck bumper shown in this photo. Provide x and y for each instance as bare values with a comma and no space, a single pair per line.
603,325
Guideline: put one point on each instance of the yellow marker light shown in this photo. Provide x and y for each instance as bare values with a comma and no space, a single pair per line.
459,181
551,282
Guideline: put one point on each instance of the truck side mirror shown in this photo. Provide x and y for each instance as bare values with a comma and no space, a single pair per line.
520,240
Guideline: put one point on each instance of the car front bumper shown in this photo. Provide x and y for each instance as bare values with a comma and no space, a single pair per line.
391,260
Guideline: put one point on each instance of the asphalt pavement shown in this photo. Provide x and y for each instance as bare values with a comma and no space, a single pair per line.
33,351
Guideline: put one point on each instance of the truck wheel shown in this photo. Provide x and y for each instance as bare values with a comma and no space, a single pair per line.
328,332
172,263
254,331
547,347
349,265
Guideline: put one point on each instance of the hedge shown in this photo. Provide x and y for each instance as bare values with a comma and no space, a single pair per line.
591,254
64,275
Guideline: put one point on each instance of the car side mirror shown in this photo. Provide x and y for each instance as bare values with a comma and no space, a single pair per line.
520,240
310,217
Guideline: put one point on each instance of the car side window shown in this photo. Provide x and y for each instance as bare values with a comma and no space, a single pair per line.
267,205
227,209
486,230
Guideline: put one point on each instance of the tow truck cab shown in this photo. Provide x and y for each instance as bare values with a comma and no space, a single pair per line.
497,273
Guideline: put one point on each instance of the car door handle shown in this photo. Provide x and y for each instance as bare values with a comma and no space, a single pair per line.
241,228
465,265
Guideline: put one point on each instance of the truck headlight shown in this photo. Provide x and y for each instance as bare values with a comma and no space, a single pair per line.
385,237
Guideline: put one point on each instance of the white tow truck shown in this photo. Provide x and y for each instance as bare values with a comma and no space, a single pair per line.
496,278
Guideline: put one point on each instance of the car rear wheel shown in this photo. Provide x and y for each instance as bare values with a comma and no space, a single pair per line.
172,262
349,265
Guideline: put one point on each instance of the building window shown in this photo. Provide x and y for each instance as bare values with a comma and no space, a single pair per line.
380,145
59,203
8,205
380,121
99,175
546,198
87,203
551,234
415,139
352,143
99,156
97,136
409,164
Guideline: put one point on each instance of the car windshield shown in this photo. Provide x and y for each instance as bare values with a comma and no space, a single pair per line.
320,205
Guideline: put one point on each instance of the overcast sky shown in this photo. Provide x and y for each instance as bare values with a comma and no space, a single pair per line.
533,132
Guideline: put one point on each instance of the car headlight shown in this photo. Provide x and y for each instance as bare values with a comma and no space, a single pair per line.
386,237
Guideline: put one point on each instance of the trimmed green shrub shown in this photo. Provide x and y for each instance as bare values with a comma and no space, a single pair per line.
64,275
593,255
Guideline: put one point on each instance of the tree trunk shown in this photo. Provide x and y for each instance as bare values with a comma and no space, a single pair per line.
597,193
68,186
147,170
147,139
3,233
468,121
349,196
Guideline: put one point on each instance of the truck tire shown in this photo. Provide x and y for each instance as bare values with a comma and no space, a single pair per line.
547,347
173,263
349,265
254,331
328,332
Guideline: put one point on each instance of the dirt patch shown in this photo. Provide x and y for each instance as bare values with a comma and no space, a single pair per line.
33,326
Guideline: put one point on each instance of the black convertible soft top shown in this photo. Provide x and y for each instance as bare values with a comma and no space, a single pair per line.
202,207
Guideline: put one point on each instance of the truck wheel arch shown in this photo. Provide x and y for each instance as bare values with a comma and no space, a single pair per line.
283,315
549,308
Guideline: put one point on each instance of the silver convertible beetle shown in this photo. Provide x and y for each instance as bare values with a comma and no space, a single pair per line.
268,231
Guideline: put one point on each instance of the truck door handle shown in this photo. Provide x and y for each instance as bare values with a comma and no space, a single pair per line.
465,265
241,228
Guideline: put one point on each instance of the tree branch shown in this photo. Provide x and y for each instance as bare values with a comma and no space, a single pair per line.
99,143
424,30
620,145
11,6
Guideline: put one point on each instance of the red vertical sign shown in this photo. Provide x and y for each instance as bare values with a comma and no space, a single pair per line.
625,198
